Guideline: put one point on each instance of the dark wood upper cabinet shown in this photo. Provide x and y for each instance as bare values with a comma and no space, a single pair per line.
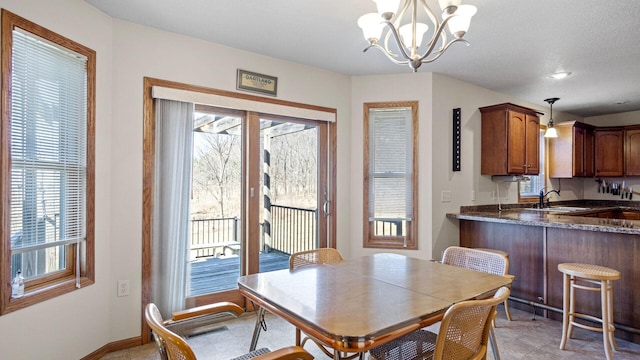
510,140
609,151
571,154
632,151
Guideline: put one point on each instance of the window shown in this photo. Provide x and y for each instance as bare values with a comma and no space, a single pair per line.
47,185
390,158
529,190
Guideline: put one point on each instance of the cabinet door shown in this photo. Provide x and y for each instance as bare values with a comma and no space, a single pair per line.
516,158
609,152
578,151
632,152
532,145
589,152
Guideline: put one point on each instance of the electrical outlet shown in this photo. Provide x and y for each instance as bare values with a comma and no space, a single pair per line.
123,288
445,196
473,195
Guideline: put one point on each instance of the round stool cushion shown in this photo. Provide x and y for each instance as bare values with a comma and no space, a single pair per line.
589,271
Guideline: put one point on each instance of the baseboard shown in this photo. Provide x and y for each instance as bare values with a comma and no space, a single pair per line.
114,346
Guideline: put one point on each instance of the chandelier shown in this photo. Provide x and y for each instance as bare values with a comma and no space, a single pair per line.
408,37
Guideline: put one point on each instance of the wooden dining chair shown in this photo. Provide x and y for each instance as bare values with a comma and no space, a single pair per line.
491,262
463,334
173,347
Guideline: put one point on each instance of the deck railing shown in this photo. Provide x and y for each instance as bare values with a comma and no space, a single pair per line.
209,237
292,230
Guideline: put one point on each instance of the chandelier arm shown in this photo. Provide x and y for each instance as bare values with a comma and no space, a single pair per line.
436,23
398,16
441,51
395,23
391,56
394,32
433,43
429,12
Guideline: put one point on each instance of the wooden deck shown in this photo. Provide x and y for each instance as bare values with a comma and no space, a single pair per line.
218,274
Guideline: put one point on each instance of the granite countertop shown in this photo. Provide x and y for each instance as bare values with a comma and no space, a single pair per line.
519,215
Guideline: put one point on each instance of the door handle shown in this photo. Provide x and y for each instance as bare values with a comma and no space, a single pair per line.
325,205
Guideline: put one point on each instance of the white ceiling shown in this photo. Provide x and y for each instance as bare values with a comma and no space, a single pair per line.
515,44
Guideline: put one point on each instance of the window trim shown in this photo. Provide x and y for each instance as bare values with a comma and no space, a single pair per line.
390,242
543,169
57,283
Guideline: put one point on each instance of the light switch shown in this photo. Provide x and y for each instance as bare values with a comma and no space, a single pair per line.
446,195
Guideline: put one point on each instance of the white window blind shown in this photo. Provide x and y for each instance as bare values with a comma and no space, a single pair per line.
48,154
390,164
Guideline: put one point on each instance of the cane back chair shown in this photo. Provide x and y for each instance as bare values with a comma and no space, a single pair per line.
173,347
316,256
483,260
463,334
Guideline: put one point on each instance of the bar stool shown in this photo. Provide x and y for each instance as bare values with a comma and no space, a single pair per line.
593,274
509,276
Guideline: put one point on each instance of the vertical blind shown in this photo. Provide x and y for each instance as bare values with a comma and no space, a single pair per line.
390,164
48,151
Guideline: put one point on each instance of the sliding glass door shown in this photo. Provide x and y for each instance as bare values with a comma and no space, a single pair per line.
258,194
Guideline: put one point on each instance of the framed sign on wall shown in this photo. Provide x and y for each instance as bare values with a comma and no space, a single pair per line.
260,83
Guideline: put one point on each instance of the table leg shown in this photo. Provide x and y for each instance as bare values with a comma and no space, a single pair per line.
336,355
494,344
257,329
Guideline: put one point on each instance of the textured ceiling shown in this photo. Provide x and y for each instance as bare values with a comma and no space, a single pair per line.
515,44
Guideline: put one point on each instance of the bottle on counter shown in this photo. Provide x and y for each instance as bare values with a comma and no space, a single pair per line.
17,286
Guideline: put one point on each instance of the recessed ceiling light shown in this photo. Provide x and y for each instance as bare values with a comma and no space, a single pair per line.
560,75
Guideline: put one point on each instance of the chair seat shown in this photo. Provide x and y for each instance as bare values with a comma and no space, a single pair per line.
419,344
253,354
589,271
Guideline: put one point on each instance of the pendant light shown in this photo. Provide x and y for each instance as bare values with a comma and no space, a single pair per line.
551,131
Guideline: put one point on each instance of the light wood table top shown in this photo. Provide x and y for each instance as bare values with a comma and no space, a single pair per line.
364,302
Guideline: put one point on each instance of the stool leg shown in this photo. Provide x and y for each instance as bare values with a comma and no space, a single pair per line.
565,310
572,304
612,337
604,295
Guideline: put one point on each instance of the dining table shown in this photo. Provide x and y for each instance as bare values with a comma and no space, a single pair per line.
360,303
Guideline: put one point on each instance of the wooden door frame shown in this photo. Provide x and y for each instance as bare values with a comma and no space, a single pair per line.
148,172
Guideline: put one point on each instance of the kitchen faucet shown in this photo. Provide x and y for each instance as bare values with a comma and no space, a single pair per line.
542,195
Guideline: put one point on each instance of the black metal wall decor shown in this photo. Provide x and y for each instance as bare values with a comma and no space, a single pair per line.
456,139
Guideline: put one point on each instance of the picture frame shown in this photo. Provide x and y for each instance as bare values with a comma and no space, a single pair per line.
255,82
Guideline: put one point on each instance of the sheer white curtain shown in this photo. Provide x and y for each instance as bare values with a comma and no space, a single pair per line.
170,238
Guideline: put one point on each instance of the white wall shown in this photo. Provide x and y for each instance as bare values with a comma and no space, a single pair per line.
142,51
75,324
385,88
449,93
438,95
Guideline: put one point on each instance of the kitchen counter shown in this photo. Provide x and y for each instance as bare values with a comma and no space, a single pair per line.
604,233
565,220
